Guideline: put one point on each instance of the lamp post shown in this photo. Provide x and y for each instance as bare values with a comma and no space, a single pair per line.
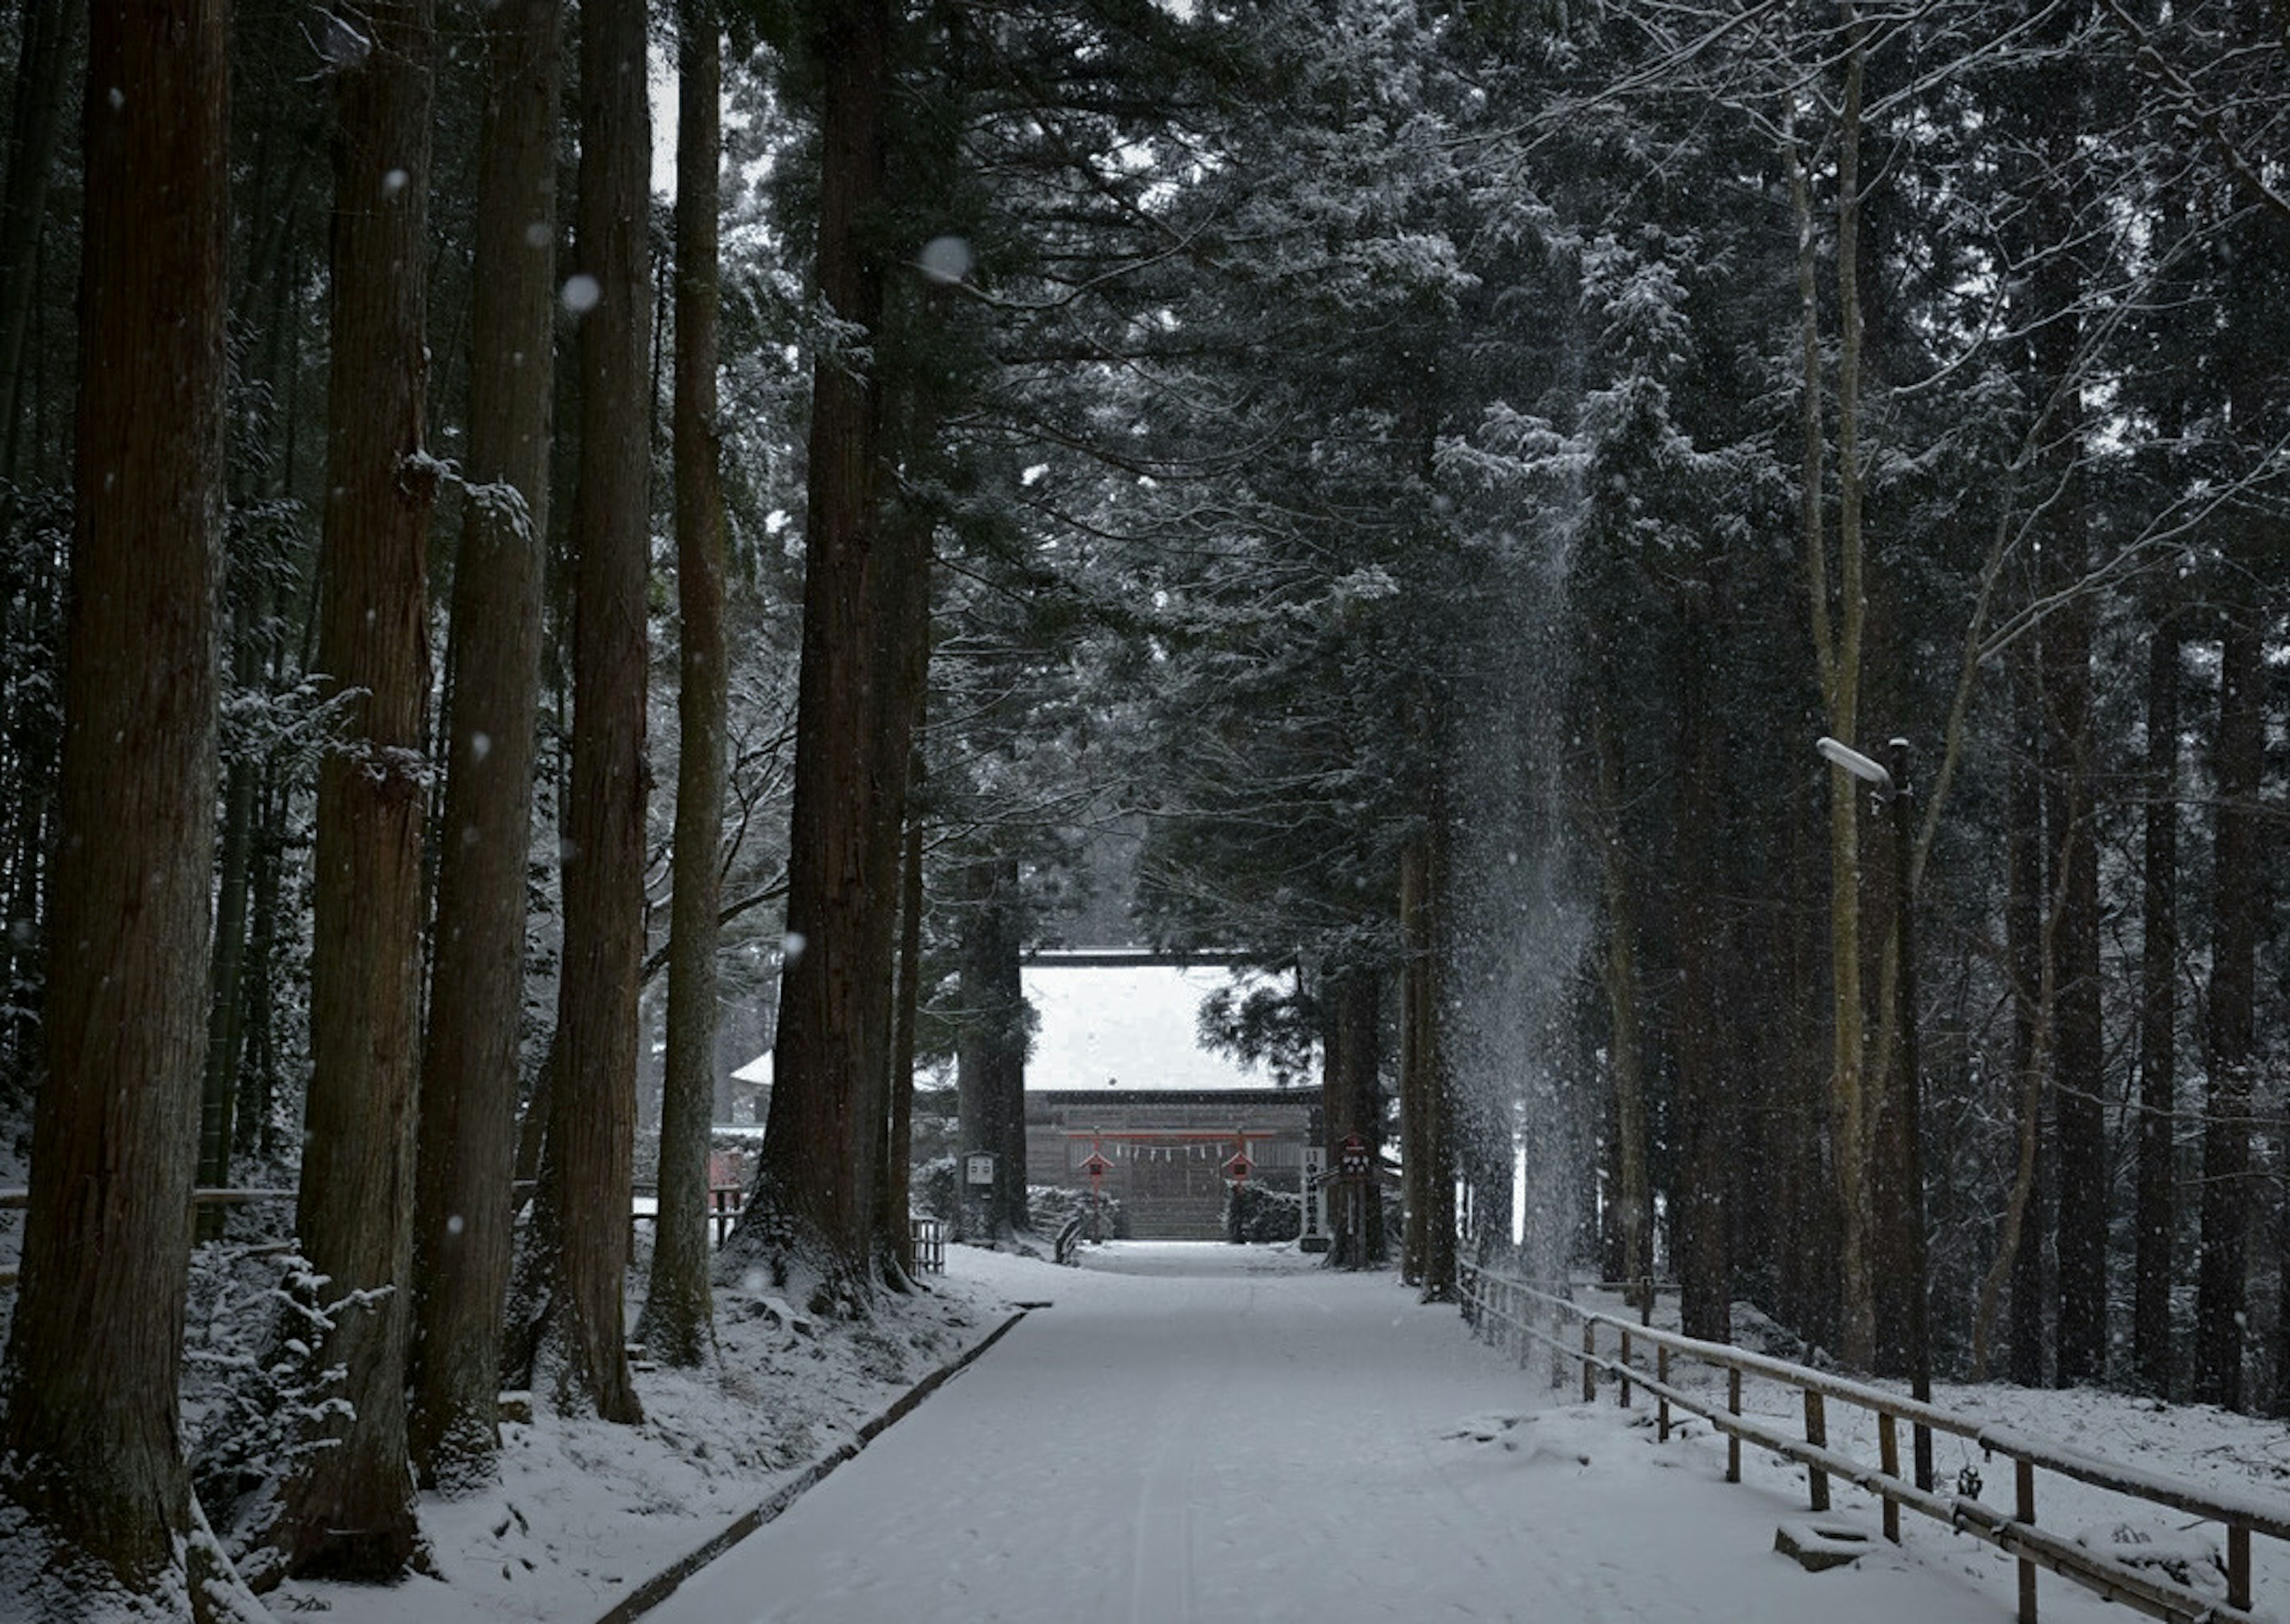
1891,786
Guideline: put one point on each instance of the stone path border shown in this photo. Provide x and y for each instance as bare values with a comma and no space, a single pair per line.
664,1584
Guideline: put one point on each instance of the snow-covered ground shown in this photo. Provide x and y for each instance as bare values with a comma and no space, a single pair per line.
1206,1432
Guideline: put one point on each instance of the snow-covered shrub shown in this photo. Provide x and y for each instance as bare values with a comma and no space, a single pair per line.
257,1395
1268,1215
1049,1207
933,1189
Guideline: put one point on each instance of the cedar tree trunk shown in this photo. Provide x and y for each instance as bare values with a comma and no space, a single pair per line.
588,1161
471,1062
93,1498
678,1312
346,1510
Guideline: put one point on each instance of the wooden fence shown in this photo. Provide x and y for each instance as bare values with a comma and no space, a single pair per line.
18,1196
929,1237
724,1203
1523,1316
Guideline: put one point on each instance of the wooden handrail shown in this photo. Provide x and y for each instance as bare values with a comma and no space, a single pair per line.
2015,1533
2180,1496
17,1196
723,1204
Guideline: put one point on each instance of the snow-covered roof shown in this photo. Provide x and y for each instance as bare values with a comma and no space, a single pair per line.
1115,1027
1120,1028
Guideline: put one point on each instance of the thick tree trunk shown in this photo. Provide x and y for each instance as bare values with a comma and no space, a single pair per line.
346,1510
1632,1220
990,1057
678,1312
2028,951
903,614
588,1158
815,1187
255,1119
94,1501
1430,1154
2158,1020
1838,630
1705,1124
227,1006
2019,1253
2221,1281
892,1218
1351,1103
472,1062
1415,1155
2079,1043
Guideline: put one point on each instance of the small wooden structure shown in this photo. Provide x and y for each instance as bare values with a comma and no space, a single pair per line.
1166,1155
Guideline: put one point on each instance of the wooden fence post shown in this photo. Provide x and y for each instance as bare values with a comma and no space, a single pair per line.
1733,1439
1622,1381
1888,1455
2025,1477
1590,1352
1816,1433
2238,1566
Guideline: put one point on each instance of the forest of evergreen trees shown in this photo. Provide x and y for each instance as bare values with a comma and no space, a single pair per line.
542,547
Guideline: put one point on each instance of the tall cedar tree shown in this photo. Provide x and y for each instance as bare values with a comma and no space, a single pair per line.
2055,293
676,1310
1428,1106
1704,1121
2157,1227
587,1161
2222,1284
816,1192
92,1487
347,1508
1351,1103
990,1055
468,1135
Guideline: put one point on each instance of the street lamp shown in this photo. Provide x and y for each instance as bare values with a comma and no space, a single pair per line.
1891,783
1840,755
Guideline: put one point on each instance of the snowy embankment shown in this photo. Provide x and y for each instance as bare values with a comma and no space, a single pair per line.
587,1513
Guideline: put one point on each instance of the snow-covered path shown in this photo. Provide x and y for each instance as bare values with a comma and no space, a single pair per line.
1208,1433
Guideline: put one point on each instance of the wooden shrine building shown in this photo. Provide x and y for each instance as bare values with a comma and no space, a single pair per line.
1117,1082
